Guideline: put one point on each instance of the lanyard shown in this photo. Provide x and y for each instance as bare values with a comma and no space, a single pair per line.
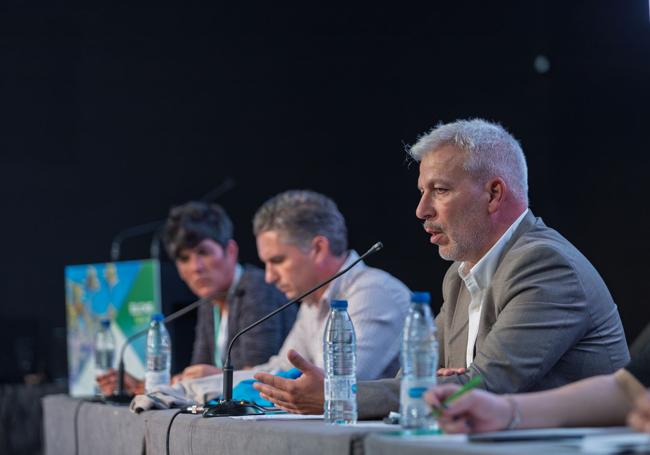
216,312
216,316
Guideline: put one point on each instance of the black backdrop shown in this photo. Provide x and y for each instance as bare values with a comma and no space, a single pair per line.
109,115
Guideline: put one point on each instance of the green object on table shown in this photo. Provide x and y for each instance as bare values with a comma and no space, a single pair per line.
475,381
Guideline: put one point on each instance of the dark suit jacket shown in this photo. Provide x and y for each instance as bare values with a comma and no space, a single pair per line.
252,299
547,320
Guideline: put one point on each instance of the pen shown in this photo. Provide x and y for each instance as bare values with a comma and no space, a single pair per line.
475,381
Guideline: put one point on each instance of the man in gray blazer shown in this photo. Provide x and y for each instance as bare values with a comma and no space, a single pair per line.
522,307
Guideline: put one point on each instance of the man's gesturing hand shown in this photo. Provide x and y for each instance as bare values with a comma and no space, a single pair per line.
301,396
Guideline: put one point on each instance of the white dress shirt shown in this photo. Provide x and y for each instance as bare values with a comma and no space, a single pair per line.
377,304
478,279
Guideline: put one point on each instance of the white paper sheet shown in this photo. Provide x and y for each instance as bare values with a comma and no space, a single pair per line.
279,417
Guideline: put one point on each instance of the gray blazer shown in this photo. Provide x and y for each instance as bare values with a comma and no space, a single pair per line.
547,320
252,299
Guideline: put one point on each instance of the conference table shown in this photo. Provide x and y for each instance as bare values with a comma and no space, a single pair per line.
74,426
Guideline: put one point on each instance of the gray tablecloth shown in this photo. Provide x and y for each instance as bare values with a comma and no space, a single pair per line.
194,434
74,426
96,428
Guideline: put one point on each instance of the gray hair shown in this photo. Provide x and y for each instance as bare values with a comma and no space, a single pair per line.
490,151
301,215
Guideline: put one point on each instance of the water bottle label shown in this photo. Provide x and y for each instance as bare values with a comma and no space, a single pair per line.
103,359
341,388
416,392
412,390
155,378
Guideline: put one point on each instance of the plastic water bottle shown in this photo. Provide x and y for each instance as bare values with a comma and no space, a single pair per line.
419,364
158,355
104,348
340,359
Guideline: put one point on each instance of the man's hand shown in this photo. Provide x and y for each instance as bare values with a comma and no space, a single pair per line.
451,371
475,411
196,371
639,417
108,383
300,396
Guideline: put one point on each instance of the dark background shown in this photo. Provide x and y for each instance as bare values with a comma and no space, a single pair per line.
109,115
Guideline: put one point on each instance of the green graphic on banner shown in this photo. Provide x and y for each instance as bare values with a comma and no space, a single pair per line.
127,293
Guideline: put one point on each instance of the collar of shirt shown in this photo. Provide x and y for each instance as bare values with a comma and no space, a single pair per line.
332,291
480,276
477,280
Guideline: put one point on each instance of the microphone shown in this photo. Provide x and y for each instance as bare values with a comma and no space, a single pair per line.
134,231
229,407
210,196
120,396
156,226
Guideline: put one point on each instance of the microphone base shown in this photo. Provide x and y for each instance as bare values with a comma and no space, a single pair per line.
226,408
118,399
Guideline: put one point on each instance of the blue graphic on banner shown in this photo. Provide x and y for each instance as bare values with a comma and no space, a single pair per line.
127,293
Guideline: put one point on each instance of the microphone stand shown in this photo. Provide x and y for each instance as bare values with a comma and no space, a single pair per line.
120,396
134,231
229,407
212,195
157,226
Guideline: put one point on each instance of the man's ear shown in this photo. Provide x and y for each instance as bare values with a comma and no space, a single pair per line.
232,250
497,189
320,247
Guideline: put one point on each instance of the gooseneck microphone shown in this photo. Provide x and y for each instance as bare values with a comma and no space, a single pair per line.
120,396
229,407
212,195
141,229
156,227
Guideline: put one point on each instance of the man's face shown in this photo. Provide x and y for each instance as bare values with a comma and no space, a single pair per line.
291,269
207,268
453,206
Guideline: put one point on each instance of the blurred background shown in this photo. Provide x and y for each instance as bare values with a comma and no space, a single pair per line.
110,115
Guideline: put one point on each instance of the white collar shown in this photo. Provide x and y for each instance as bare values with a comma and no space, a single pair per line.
481,274
332,290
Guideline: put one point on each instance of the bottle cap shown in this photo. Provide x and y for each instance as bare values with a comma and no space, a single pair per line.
157,317
339,304
105,323
421,297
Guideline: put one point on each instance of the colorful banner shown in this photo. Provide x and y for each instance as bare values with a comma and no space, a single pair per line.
127,293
